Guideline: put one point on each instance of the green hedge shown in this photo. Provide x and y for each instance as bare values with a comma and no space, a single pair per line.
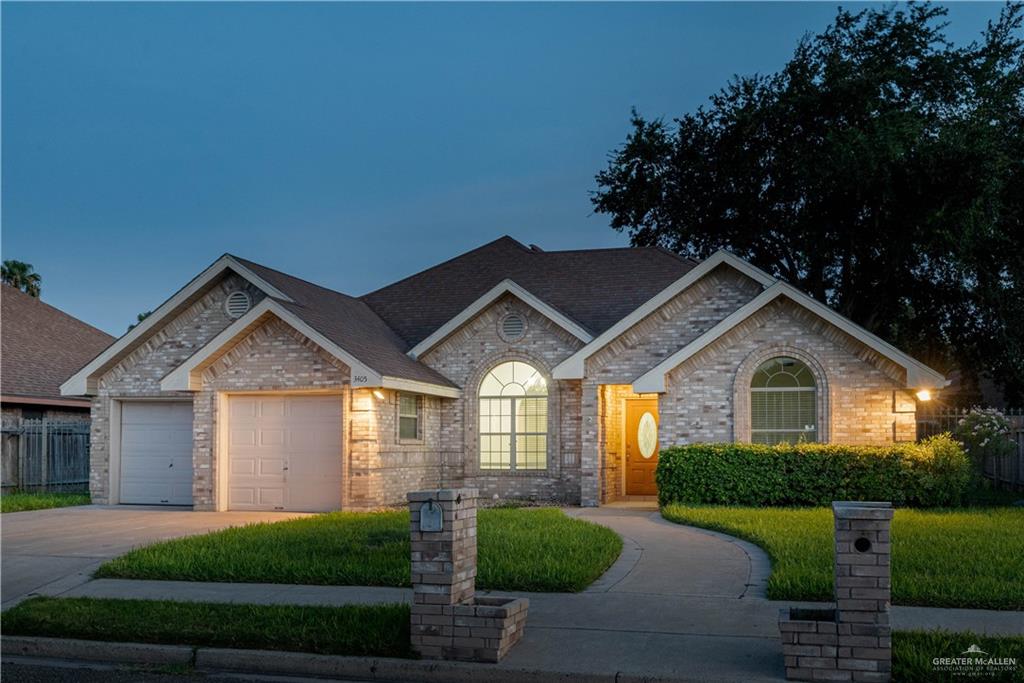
934,472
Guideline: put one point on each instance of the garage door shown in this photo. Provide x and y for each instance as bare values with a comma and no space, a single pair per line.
156,453
284,452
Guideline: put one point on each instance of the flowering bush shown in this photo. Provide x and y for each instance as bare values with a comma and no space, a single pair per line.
984,433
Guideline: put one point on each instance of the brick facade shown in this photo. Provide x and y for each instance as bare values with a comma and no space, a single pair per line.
138,375
661,333
861,399
861,396
465,358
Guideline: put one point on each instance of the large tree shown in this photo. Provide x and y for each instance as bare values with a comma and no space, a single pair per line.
881,171
21,275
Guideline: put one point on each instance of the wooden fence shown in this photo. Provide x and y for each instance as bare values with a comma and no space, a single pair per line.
44,455
1007,471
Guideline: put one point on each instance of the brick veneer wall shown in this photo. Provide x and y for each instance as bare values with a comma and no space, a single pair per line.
863,400
382,467
138,375
273,357
673,325
465,358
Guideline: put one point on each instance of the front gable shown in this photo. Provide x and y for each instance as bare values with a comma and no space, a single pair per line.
166,324
144,364
479,342
913,373
274,356
575,366
503,288
671,325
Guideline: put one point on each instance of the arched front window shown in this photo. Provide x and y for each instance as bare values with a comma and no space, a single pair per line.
513,418
783,403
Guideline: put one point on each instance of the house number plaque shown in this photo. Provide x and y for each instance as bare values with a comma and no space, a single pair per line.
431,519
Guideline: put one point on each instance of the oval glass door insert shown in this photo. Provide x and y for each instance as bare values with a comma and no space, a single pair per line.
647,435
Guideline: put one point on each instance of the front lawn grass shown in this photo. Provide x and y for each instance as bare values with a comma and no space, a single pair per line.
940,558
913,652
526,549
358,630
20,502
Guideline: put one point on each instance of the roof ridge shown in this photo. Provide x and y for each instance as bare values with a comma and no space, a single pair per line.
656,247
39,300
503,238
293,277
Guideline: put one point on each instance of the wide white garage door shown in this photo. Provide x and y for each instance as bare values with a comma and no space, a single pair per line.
156,453
284,453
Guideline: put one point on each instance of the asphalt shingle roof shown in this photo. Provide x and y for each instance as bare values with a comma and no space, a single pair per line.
42,346
594,287
350,324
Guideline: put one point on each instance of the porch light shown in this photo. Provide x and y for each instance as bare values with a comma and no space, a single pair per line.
924,395
378,394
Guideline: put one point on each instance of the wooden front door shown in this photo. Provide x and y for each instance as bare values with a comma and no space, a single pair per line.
641,446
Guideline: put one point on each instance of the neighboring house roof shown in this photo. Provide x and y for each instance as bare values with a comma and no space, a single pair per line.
593,287
41,347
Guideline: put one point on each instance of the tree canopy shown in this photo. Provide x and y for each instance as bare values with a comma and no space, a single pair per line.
21,275
881,170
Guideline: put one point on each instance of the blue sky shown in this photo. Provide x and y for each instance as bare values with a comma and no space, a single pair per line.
349,144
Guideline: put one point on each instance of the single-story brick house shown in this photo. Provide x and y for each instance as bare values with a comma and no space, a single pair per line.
526,373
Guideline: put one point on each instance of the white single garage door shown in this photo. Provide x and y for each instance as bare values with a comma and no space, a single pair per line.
156,452
284,453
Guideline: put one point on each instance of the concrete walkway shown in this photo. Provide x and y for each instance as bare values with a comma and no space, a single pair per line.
680,602
54,550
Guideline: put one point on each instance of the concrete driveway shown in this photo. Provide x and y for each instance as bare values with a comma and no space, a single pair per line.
55,550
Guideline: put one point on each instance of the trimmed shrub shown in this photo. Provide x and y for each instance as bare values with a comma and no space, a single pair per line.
935,472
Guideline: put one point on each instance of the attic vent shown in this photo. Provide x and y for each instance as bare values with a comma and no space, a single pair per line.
237,304
513,327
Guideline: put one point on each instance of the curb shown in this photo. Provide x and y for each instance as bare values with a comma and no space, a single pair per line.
92,650
374,669
272,662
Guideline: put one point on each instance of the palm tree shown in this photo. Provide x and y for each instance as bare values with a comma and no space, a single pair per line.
21,275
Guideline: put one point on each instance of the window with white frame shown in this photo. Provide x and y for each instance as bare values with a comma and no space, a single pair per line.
513,418
408,416
783,402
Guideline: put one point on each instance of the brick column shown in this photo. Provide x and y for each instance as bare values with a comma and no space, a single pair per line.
448,621
443,566
863,584
590,449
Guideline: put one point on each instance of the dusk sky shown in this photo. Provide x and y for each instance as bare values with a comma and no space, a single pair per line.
347,144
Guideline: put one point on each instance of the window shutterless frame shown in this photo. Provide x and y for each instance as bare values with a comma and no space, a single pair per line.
783,402
513,418
408,417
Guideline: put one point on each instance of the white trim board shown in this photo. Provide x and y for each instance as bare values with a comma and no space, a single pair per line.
186,377
492,295
573,366
83,382
919,375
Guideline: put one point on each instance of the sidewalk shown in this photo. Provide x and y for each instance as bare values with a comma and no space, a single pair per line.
680,603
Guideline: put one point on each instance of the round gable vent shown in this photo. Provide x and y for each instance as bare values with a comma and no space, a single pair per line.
513,327
238,304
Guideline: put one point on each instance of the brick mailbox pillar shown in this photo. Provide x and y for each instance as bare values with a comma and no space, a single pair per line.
448,620
851,642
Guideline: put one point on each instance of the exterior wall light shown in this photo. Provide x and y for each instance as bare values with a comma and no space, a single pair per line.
378,394
924,395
